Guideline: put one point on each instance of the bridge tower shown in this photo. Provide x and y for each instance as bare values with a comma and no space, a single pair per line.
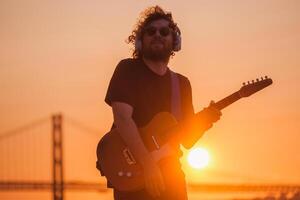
57,139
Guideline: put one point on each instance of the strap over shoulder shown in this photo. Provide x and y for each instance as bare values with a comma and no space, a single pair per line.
175,98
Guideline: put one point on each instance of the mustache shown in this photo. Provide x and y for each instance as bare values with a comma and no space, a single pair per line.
157,41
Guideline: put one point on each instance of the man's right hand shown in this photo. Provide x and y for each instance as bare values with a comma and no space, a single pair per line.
154,182
128,130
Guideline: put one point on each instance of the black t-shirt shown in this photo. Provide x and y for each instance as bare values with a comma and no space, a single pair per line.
134,83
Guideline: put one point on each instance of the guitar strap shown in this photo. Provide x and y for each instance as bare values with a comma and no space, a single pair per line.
175,98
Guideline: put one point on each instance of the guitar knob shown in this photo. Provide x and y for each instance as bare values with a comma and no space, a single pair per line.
128,174
248,82
266,77
252,81
244,83
120,173
262,78
257,80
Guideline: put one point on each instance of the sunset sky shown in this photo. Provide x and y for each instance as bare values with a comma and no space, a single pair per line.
58,56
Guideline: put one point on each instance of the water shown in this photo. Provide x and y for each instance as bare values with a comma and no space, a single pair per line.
80,195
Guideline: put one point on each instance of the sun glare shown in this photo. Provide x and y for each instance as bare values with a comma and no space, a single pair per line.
198,158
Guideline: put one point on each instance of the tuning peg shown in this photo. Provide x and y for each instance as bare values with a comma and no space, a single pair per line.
262,78
244,83
252,81
266,77
257,80
248,82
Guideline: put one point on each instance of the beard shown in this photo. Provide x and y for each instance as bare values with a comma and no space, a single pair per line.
157,50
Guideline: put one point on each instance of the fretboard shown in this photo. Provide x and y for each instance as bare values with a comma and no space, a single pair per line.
227,101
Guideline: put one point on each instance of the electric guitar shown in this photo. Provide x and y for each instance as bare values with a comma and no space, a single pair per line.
118,164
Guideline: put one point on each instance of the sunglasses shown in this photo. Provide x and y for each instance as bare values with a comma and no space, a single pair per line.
163,31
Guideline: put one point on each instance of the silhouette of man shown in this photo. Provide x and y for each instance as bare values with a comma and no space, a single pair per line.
139,89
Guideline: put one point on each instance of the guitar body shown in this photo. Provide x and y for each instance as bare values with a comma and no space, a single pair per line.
118,164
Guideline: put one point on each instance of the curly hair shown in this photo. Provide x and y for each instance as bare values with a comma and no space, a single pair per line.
146,17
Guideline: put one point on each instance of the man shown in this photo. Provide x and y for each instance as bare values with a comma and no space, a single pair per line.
139,89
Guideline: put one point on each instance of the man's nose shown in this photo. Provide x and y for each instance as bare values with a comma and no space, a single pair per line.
157,35
158,32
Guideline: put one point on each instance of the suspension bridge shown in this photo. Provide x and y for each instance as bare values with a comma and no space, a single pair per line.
58,153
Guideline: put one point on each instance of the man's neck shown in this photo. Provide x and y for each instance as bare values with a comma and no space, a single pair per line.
158,67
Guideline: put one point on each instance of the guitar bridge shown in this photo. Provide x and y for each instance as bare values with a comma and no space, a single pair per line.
129,157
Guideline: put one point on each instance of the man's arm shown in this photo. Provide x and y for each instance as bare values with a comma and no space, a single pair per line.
193,128
196,127
128,130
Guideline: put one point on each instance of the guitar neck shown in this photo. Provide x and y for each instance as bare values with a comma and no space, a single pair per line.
223,102
227,100
245,91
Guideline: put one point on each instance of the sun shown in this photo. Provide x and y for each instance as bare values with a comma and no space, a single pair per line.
198,158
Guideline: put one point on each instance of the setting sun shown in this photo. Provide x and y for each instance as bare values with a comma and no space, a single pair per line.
198,158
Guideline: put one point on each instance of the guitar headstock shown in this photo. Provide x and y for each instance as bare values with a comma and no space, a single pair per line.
250,88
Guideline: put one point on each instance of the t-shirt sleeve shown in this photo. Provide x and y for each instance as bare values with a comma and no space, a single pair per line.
121,86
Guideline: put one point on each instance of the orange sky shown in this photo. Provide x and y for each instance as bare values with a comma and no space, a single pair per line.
59,56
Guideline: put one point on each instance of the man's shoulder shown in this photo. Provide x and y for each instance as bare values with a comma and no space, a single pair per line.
127,67
182,78
128,63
